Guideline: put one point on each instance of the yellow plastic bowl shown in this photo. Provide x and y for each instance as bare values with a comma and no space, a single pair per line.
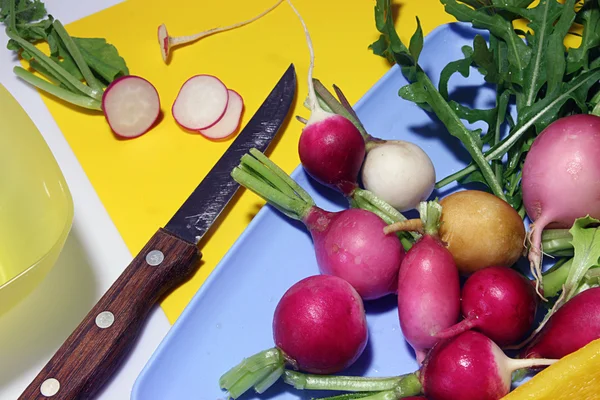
36,207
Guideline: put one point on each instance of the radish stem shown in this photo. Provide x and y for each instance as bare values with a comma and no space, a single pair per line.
411,225
260,370
64,94
77,57
408,384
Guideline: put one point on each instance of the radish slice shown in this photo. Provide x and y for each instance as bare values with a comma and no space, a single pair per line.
201,102
230,121
131,105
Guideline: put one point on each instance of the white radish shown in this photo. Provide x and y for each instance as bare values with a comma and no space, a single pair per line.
230,120
398,172
201,102
167,42
131,106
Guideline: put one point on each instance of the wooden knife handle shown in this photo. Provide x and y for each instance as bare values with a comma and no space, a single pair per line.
95,349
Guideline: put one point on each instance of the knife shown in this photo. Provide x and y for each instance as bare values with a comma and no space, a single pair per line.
90,355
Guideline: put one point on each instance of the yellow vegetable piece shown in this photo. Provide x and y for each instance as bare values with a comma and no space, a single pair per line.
576,376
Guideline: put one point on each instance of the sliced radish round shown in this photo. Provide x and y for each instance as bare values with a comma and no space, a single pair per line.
131,105
201,102
230,120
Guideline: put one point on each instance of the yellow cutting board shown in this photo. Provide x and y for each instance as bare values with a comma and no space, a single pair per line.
142,181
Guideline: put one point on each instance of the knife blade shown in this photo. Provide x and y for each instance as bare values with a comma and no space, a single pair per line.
96,348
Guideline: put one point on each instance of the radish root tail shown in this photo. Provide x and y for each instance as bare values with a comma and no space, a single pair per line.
410,225
535,255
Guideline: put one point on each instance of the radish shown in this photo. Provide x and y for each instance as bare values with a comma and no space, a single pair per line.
571,327
561,177
331,148
349,244
167,42
469,366
428,285
230,121
131,106
498,302
319,326
201,102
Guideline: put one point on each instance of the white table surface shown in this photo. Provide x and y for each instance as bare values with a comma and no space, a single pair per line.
39,325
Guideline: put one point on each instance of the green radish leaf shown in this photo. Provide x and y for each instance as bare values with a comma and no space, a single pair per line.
60,54
586,245
25,11
102,58
416,42
589,17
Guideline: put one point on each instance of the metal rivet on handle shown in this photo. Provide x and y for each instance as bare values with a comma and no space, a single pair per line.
105,319
50,387
155,257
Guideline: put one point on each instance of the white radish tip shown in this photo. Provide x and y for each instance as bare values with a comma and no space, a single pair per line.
200,103
230,121
131,106
164,41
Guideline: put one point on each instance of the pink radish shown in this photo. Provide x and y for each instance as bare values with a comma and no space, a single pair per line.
349,244
331,148
201,102
469,366
428,284
319,326
560,178
571,327
131,106
167,42
498,302
230,121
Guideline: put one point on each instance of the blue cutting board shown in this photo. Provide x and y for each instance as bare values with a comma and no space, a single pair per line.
230,317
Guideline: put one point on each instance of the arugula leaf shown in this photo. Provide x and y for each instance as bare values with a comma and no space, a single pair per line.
519,53
589,17
461,66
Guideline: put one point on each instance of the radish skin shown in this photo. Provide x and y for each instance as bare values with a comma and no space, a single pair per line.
230,121
200,103
498,302
131,106
561,179
167,42
319,326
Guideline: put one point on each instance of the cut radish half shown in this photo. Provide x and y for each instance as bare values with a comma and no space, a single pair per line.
201,102
230,121
131,106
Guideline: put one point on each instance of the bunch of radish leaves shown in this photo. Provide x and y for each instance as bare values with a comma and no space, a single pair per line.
532,70
77,69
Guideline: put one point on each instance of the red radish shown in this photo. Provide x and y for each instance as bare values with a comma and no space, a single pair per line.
167,42
319,326
201,102
230,120
131,106
428,285
469,366
560,178
571,327
331,148
498,302
349,243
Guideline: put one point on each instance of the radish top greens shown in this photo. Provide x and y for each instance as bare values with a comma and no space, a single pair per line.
530,69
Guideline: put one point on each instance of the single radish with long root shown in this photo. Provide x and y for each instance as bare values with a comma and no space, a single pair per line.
349,244
498,302
167,42
469,366
131,106
319,326
200,103
560,180
428,284
331,148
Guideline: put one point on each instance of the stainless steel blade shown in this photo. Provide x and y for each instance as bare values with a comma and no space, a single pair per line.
207,201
